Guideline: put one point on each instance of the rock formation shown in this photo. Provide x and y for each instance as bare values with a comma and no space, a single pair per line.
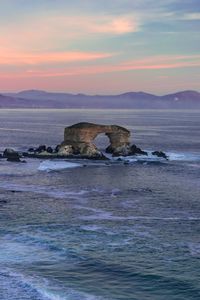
78,139
79,143
12,155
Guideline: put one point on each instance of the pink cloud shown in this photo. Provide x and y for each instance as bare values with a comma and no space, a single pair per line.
114,25
148,63
50,31
163,59
17,58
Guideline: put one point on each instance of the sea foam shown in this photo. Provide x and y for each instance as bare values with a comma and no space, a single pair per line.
49,165
39,288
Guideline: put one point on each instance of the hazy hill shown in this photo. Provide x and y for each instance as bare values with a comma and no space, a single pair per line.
42,99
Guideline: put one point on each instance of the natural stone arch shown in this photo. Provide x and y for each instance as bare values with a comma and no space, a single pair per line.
79,138
101,141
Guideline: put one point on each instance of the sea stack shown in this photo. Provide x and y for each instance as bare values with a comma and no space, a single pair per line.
79,143
78,139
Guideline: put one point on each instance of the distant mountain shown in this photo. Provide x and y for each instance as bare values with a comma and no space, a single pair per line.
16,102
129,100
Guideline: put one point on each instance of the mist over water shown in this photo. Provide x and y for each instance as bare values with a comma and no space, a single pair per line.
102,231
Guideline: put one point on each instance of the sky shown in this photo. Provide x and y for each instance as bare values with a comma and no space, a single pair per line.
100,46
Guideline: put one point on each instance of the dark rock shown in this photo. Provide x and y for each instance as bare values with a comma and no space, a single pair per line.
57,148
160,154
123,150
136,150
41,148
11,155
119,159
109,149
25,154
31,150
49,150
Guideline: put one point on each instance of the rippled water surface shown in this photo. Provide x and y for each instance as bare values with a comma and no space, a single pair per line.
89,230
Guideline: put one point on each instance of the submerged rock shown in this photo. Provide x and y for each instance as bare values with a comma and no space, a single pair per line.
137,150
11,155
160,154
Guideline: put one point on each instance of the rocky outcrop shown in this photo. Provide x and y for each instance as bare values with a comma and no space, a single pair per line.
80,138
79,143
160,154
12,155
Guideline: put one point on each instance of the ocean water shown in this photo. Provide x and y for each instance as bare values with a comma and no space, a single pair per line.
89,230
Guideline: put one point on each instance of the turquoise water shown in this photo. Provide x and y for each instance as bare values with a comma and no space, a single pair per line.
97,231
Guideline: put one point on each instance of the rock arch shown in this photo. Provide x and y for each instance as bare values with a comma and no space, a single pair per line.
78,139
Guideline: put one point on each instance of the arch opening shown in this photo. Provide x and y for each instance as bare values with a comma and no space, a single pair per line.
101,141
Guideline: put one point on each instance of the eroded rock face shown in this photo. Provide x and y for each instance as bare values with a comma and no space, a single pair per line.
80,137
65,150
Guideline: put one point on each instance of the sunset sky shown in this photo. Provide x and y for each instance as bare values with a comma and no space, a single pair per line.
104,46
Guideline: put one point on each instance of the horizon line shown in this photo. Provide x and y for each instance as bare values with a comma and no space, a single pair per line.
85,94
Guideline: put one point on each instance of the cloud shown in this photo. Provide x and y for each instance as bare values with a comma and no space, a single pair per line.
165,60
26,58
148,63
60,30
113,25
191,16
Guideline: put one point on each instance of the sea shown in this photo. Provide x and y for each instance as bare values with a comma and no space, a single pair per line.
124,229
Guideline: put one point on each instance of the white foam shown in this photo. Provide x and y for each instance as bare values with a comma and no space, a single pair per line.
177,156
172,156
49,165
110,216
94,228
136,158
47,289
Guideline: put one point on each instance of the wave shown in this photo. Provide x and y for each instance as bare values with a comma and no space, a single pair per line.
34,165
172,156
46,190
34,287
194,249
53,165
111,217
